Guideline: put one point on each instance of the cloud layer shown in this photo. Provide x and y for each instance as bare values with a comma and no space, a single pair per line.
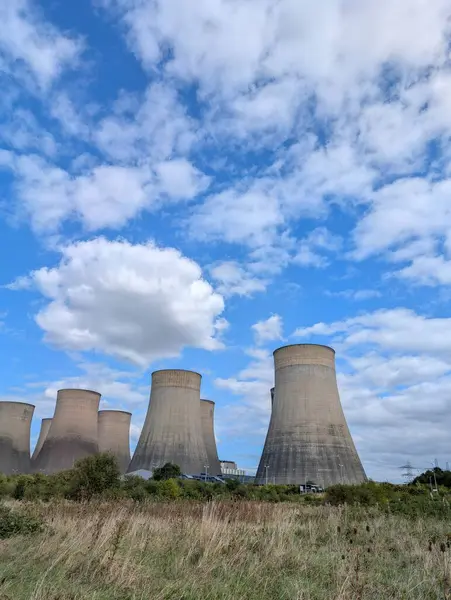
134,302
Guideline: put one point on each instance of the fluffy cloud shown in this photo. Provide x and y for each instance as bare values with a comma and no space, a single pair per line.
103,196
358,114
134,302
26,39
233,279
269,330
149,128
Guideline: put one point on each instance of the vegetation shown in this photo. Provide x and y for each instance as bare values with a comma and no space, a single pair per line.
88,533
188,550
167,471
16,522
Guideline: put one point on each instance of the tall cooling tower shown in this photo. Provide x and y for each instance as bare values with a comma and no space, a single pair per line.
308,438
15,424
45,426
114,435
172,431
73,432
207,411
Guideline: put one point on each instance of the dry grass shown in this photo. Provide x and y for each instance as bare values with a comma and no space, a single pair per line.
226,551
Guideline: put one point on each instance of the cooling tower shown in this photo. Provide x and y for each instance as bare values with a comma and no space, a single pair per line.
172,431
45,426
114,435
207,411
73,432
15,424
308,438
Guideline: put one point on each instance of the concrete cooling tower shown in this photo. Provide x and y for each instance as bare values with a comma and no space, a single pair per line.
114,435
172,430
45,426
308,438
207,412
73,432
15,424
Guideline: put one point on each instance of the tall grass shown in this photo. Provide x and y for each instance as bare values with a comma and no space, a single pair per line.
225,551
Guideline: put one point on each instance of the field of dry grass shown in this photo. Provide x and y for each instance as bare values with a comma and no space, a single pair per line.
225,551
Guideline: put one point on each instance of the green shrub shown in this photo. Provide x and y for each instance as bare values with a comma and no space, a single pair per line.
93,476
169,488
16,523
167,471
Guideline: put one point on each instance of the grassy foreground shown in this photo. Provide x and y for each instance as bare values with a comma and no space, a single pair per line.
228,551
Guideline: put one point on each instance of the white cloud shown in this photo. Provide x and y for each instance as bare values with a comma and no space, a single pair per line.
104,196
152,128
234,279
269,330
398,329
251,217
26,39
281,38
135,302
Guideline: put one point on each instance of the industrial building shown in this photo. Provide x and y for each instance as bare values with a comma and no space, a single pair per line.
172,430
45,426
207,411
15,424
114,435
308,439
73,431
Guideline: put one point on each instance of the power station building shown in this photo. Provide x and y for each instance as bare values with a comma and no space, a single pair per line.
207,411
15,425
45,426
73,432
308,438
114,435
172,430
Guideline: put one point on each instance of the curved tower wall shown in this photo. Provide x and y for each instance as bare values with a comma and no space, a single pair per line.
308,438
15,425
172,431
45,426
114,435
207,411
73,431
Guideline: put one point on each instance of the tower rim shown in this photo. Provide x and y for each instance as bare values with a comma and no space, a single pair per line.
324,346
111,410
79,390
14,403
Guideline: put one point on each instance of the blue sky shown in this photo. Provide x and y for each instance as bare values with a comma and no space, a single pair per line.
191,185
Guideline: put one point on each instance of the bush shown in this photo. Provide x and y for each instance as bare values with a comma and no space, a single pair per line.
167,471
93,476
16,523
170,489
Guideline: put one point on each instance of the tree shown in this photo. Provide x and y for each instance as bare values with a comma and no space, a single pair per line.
167,471
94,475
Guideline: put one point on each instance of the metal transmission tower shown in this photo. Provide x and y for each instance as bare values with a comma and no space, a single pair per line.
207,411
308,438
73,431
114,435
172,431
15,424
408,471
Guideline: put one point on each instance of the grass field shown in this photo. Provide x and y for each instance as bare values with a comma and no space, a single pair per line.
227,551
